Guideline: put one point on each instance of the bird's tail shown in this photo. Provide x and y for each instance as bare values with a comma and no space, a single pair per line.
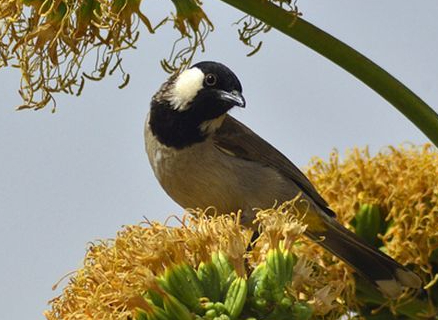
386,273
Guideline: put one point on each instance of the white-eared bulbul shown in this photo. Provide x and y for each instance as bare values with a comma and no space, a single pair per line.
204,157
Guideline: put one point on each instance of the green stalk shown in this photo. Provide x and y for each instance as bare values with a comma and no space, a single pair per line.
415,109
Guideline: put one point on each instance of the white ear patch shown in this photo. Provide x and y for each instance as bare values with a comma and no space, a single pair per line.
187,85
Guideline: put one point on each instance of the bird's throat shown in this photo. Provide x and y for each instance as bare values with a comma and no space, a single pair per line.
173,128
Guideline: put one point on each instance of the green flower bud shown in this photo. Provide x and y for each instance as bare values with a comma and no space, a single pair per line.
153,313
279,273
286,303
290,260
276,267
210,280
220,307
155,297
301,311
224,267
175,309
140,315
255,279
211,314
208,305
236,297
368,223
261,304
182,282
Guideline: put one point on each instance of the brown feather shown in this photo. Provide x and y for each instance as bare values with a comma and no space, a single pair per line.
241,141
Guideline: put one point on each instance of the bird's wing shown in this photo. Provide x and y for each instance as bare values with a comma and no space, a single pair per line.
234,138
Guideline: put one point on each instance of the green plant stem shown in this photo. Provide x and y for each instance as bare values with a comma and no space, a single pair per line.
415,109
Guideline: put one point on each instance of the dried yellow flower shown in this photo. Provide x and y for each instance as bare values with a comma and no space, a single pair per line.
48,40
282,268
402,182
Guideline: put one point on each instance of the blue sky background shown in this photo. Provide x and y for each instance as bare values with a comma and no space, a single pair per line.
80,174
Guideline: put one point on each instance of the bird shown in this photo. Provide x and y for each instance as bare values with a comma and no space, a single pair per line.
203,157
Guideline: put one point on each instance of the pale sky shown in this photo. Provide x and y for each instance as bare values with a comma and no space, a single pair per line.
80,174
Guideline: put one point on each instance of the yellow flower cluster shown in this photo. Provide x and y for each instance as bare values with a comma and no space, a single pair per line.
48,41
116,273
402,182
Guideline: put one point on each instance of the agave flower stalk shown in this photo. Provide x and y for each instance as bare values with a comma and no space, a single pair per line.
396,93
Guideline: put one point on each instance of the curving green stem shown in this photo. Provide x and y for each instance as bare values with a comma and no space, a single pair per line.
415,109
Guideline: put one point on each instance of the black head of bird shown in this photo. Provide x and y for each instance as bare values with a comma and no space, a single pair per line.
191,105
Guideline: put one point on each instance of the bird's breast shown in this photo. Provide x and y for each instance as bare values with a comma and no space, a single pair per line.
201,175
191,176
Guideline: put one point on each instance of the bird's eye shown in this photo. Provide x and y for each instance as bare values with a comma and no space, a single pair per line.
210,80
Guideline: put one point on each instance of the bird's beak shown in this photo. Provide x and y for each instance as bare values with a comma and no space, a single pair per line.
234,97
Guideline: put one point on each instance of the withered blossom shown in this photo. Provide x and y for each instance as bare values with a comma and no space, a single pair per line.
282,272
